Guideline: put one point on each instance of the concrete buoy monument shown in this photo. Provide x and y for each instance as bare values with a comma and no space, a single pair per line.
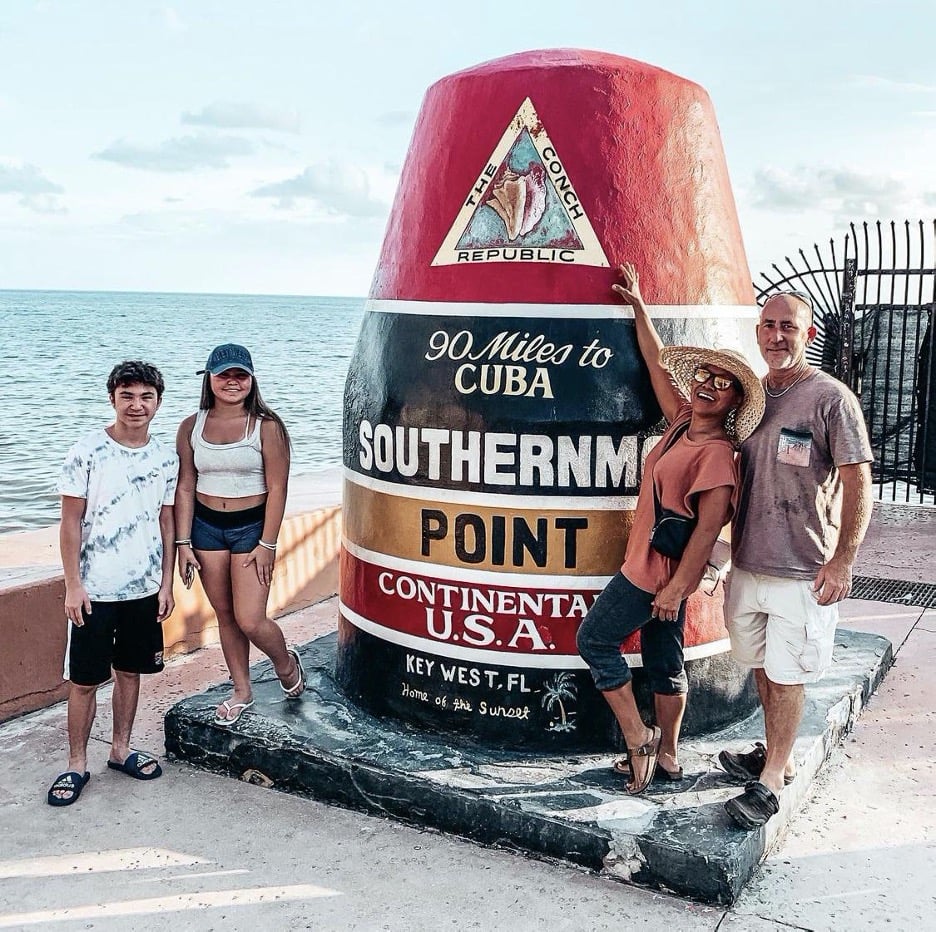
497,417
497,412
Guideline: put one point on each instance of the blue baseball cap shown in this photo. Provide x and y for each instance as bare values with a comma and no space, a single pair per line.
228,356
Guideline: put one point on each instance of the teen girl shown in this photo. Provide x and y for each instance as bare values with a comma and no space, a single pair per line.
234,466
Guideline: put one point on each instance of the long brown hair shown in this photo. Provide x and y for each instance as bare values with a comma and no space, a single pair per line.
253,404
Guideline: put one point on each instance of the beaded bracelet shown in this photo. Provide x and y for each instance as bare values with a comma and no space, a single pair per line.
266,546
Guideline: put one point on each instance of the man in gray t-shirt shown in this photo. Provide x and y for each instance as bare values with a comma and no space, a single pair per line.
805,503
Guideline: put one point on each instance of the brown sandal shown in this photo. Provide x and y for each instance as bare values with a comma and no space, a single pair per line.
651,751
622,766
660,773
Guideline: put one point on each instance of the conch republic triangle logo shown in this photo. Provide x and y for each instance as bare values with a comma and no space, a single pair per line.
523,207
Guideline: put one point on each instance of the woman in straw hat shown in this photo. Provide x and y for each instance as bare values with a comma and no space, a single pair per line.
712,400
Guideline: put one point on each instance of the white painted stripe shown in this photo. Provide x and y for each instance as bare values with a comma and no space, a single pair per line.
199,875
707,650
497,658
532,499
562,311
66,669
183,901
120,859
475,577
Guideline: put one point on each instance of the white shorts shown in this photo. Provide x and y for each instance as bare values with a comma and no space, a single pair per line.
778,625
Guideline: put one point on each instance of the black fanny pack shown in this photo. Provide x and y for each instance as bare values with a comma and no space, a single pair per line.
671,530
671,533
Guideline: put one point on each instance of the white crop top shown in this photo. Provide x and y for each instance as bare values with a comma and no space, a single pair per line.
228,470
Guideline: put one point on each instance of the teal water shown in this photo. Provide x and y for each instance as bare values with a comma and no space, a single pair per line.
57,348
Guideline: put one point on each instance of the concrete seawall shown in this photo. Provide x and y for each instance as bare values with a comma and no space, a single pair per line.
32,594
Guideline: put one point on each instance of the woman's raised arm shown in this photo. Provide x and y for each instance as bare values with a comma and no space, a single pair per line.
668,397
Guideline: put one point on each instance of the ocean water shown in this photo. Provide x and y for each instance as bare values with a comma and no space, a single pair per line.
57,349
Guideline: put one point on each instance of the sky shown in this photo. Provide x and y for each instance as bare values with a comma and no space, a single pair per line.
255,147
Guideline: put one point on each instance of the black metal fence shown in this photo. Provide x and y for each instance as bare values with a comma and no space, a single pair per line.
875,298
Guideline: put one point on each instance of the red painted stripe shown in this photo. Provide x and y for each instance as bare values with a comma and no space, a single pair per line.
418,605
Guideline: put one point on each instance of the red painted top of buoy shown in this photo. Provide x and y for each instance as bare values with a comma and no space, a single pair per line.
641,147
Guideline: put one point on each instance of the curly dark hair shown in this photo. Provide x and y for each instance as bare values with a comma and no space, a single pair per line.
135,372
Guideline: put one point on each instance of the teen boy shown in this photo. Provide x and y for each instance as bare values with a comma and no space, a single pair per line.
117,542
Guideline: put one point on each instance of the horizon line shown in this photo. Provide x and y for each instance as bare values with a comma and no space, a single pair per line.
210,294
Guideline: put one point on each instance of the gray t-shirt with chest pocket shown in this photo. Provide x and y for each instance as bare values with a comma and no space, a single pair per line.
789,510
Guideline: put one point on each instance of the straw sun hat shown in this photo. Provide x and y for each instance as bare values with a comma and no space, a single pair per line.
682,362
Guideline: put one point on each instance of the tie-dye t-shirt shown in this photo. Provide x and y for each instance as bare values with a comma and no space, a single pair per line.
125,489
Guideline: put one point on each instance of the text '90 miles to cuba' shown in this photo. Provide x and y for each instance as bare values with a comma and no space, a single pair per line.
511,364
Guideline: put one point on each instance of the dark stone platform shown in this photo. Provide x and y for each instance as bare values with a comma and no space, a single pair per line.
675,837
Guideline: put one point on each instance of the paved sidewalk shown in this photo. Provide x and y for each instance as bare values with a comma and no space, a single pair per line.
862,853
197,851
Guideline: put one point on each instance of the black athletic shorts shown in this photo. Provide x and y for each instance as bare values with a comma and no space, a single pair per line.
122,635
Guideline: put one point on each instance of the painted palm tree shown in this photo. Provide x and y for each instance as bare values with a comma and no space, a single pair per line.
562,686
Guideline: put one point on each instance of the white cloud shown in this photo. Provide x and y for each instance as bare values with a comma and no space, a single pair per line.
873,80
339,188
182,154
42,204
26,179
37,193
239,115
841,190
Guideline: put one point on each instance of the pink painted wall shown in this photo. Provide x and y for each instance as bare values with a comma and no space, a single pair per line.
32,622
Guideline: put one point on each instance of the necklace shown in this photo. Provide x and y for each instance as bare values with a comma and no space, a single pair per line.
781,393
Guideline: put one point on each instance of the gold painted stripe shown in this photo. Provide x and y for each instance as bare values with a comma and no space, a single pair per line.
468,499
392,525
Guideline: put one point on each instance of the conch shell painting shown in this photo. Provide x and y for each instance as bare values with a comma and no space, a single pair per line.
520,207
519,200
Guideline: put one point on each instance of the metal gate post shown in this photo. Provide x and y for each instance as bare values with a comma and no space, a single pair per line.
845,362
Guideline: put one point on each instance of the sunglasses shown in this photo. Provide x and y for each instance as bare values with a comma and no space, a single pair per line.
801,295
721,382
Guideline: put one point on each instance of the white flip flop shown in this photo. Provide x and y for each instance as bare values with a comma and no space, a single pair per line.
300,684
234,711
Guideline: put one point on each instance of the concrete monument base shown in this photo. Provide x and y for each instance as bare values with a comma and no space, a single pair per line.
676,837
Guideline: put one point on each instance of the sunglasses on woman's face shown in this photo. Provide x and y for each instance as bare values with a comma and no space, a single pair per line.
721,382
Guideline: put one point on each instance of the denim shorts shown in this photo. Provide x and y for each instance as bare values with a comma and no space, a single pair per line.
618,612
237,531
